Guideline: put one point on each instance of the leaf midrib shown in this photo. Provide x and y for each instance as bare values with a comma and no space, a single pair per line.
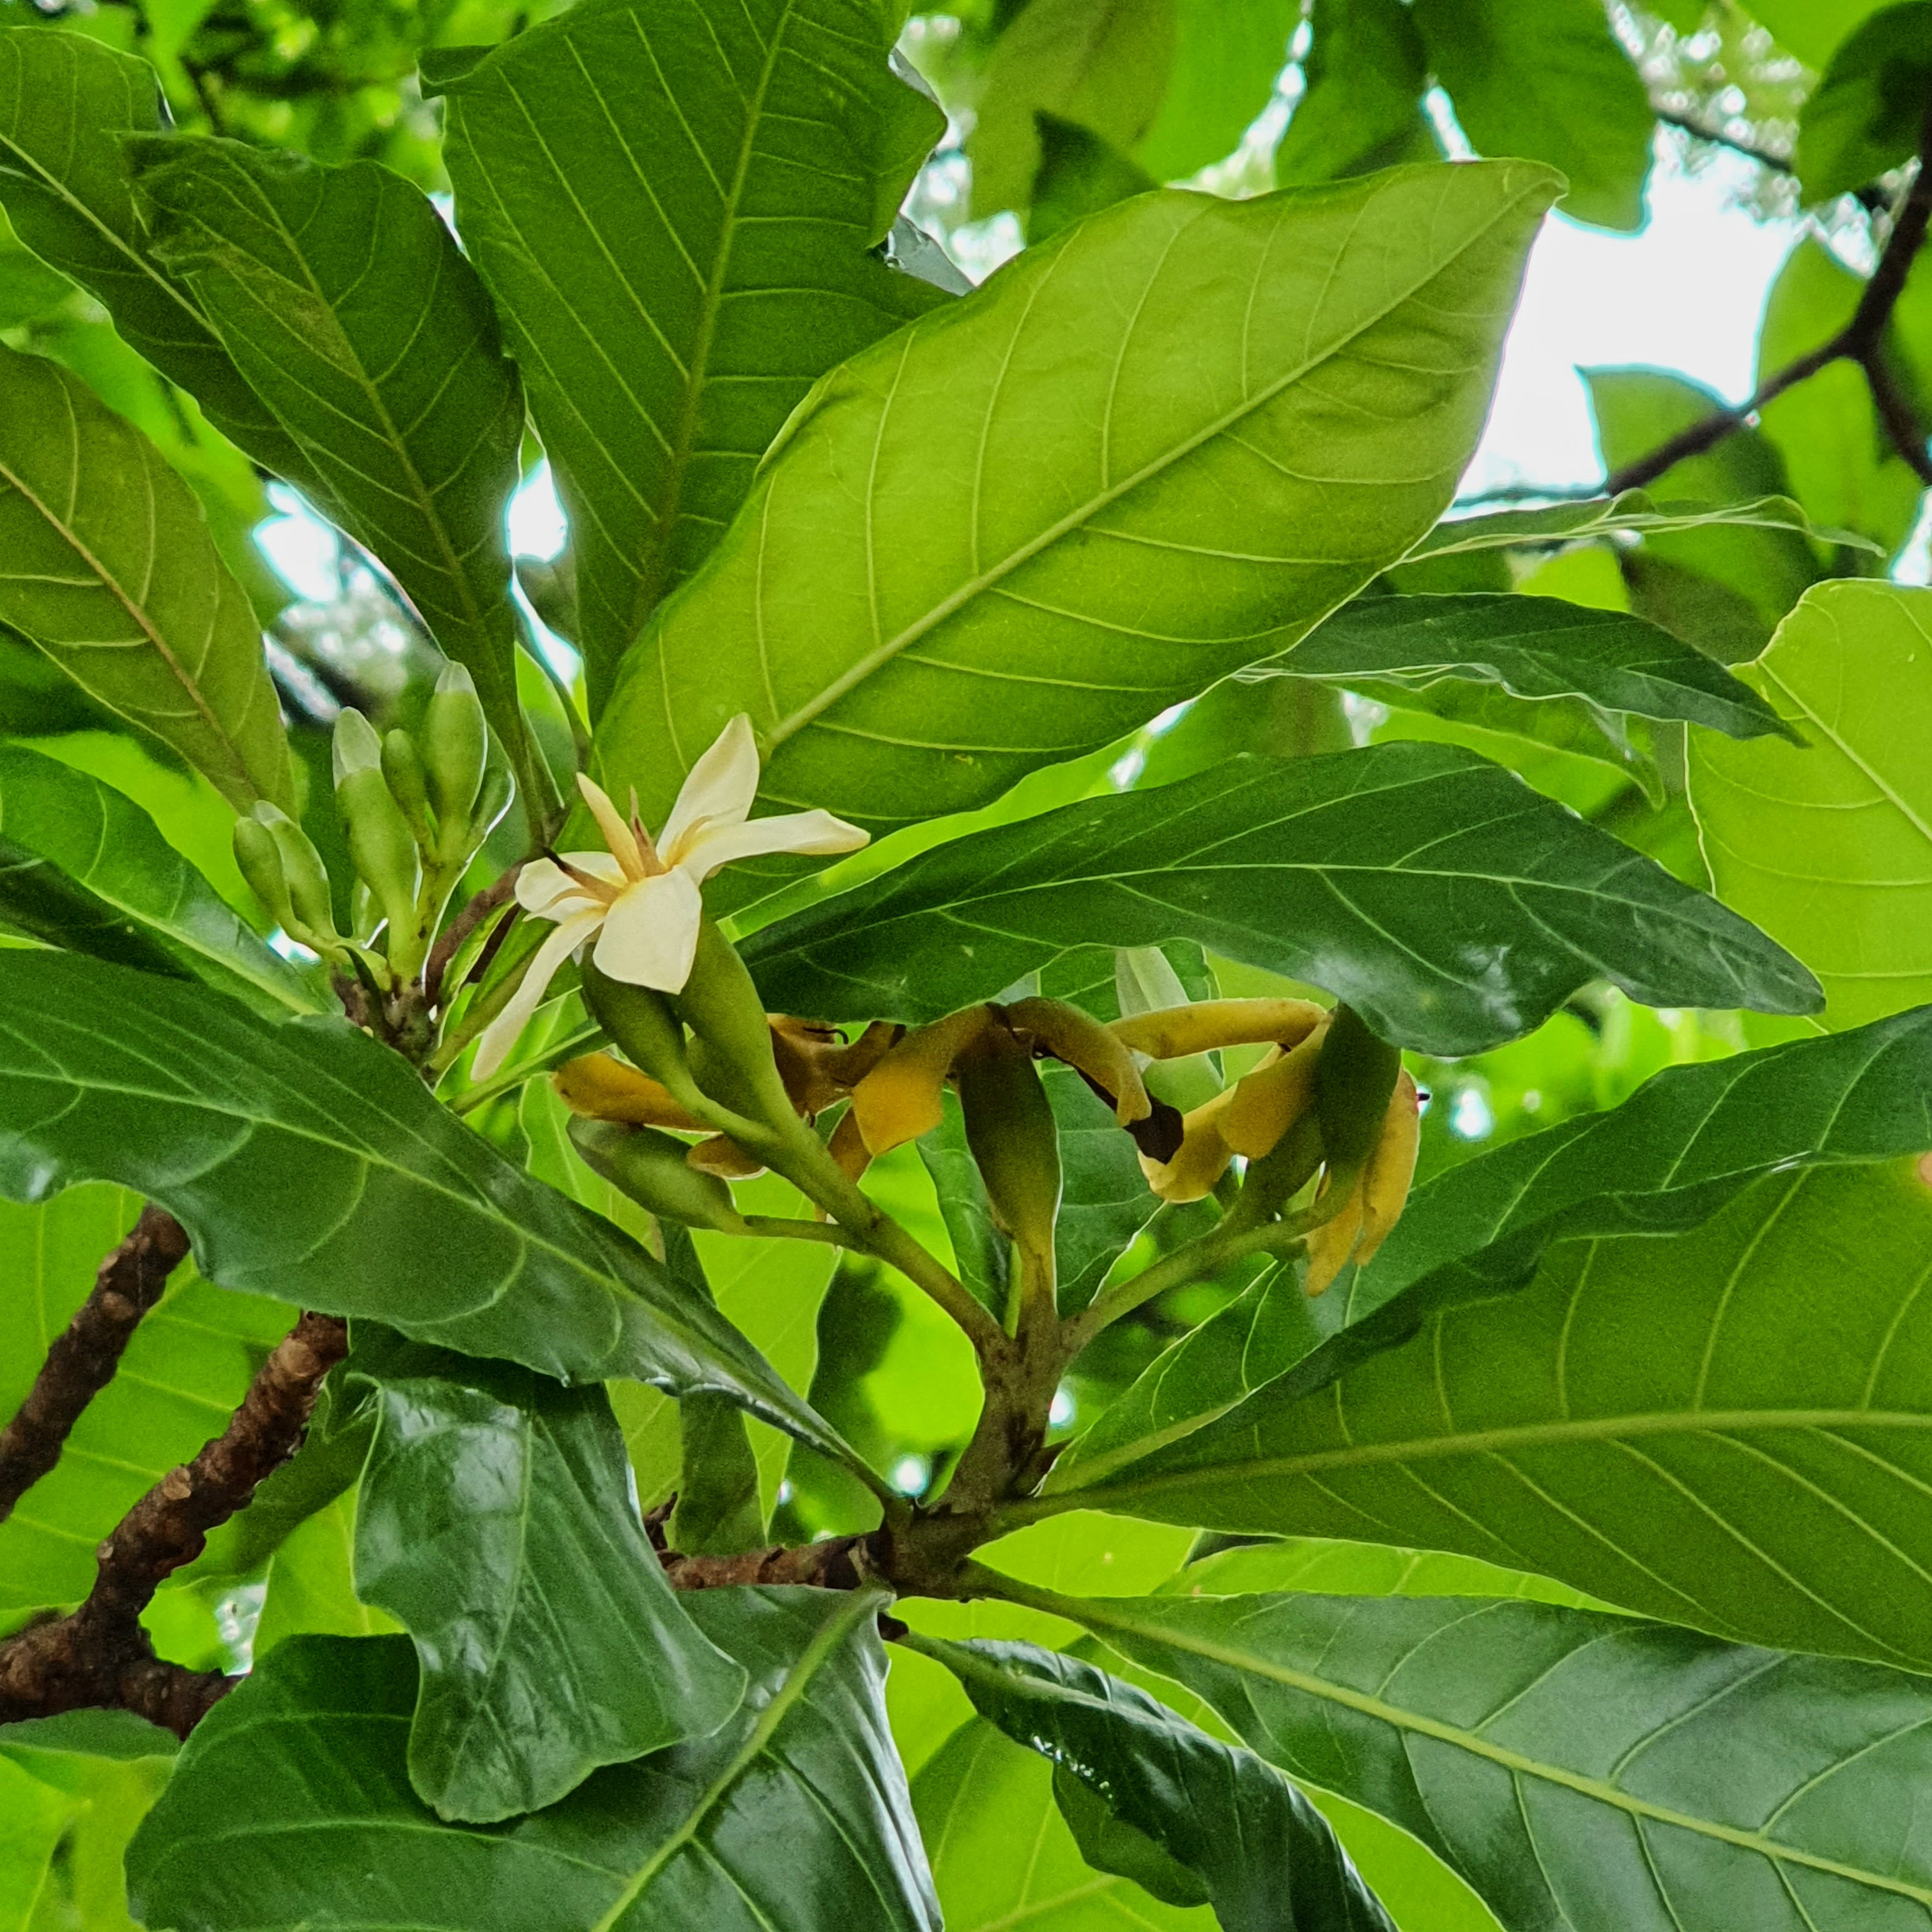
1100,1614
882,654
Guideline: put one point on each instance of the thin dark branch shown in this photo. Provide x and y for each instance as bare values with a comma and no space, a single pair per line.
450,942
840,1563
100,1655
1870,197
84,1358
1858,340
1895,412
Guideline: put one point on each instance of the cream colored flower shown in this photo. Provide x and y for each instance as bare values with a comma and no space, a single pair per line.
641,901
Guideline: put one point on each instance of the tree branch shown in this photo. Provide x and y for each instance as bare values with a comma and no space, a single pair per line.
100,1655
450,943
1857,341
83,1359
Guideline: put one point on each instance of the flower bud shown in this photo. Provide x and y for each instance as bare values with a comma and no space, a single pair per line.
355,746
257,854
642,1023
306,876
1009,1128
651,1168
601,1087
1353,1082
455,746
722,1007
381,844
403,768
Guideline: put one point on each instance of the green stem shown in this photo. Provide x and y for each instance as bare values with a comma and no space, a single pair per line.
778,1227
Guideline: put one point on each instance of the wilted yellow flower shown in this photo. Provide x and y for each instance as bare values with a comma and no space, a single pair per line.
1375,1198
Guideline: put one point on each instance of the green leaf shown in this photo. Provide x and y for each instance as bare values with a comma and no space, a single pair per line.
34,1817
1104,1199
187,1368
1760,572
344,300
1669,1158
311,1586
1536,647
1014,586
1570,1765
1454,907
719,1833
106,564
1228,54
1632,511
982,1256
1102,67
979,1798
1079,174
672,205
1829,846
310,1164
1841,463
1363,79
1863,118
1694,1428
65,103
1266,1858
1812,29
1547,78
496,1525
90,872
1326,1566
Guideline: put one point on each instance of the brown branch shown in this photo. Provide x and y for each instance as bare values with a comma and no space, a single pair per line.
1896,414
83,1358
450,943
839,1563
100,1655
1870,197
1857,341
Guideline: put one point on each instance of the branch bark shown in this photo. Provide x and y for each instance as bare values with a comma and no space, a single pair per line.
84,1358
100,1655
1859,341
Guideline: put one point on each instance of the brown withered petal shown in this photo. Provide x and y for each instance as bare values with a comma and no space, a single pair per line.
1201,1159
849,1065
1173,1032
1269,1101
801,1051
1391,1168
724,1157
847,1147
1079,1040
1331,1245
900,1098
602,1087
1159,1135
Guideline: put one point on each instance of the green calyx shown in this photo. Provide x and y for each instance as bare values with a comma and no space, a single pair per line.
652,1167
1354,1079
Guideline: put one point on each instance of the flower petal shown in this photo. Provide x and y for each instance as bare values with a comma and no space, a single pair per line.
543,887
1175,1032
611,822
717,791
494,1045
603,1088
650,935
710,844
900,1098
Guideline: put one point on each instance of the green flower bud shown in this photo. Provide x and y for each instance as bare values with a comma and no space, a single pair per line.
355,747
403,768
642,1024
380,841
260,860
492,802
455,746
306,877
651,1168
1353,1082
1010,1129
722,1007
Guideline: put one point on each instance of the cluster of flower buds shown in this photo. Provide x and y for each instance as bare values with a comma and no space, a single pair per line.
414,810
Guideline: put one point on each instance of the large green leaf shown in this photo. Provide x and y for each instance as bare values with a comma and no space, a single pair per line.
1260,1853
33,1818
1227,56
1863,118
495,1523
1547,78
65,102
187,1367
980,548
1537,647
1698,1429
673,203
344,300
1452,906
311,1165
1666,1159
1363,78
88,871
1578,1770
1829,846
793,1817
106,562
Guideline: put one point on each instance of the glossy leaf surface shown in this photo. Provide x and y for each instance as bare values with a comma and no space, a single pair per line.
793,1817
1578,1769
92,873
345,301
496,1524
1454,907
1265,1856
311,1165
673,203
1829,846
1536,647
1689,1428
1040,554
106,562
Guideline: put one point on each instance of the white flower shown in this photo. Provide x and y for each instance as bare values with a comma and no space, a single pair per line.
641,900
